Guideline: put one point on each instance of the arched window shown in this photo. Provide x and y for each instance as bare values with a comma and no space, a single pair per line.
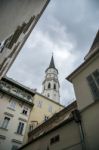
49,86
55,86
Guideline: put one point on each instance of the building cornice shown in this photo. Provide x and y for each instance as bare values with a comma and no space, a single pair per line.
16,92
12,81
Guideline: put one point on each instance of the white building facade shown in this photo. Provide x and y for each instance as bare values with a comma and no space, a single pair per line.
17,20
51,83
15,107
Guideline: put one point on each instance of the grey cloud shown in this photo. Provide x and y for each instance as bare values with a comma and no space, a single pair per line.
64,23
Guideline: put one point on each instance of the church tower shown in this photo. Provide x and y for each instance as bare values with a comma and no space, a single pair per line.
51,84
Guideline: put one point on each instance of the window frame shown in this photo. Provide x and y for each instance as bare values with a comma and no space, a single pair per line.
5,122
55,139
12,104
54,86
14,147
39,103
93,84
49,85
20,128
25,110
50,108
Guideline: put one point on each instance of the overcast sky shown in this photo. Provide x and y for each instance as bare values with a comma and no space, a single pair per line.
67,28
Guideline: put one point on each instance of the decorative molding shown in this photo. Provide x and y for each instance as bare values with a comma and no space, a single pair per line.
3,128
18,134
2,137
15,91
24,120
17,141
9,114
11,108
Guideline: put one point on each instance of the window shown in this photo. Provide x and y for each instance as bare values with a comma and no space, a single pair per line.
31,127
20,128
49,86
54,86
93,81
39,104
5,122
50,108
25,110
29,97
14,147
54,139
96,76
12,104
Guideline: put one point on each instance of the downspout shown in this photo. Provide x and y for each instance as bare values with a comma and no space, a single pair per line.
77,118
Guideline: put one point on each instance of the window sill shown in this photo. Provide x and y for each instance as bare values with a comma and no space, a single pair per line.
4,128
11,108
18,134
24,114
2,137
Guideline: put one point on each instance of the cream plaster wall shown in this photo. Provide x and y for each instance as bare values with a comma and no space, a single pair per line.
90,121
38,113
69,139
82,90
15,117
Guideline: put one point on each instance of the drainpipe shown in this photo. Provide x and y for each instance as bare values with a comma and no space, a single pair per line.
77,118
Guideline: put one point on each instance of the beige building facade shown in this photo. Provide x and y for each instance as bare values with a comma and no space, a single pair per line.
21,111
44,108
16,104
86,85
55,133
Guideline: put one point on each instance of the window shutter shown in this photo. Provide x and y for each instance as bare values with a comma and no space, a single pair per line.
96,76
93,87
